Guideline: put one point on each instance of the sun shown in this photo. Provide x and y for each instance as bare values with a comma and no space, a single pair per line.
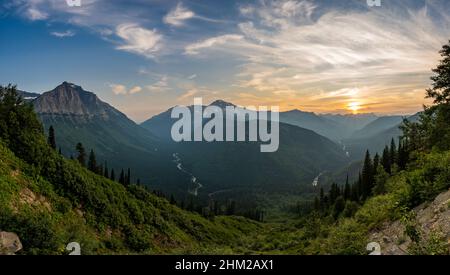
354,107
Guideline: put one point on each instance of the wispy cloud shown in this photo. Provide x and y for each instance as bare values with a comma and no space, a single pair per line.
160,86
188,94
223,40
178,16
135,90
67,33
139,40
35,14
119,89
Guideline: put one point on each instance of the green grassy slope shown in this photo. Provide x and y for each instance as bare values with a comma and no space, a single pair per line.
104,216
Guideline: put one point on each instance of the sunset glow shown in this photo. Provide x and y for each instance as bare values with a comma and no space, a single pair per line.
354,107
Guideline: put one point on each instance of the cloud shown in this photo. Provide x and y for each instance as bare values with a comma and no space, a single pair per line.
139,40
192,77
135,90
160,86
195,48
188,94
119,89
67,33
178,16
34,14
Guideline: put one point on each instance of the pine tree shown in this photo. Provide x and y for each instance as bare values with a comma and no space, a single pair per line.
393,153
386,160
321,199
231,208
339,206
172,200
99,170
347,190
92,163
376,162
51,137
122,178
106,171
316,204
359,187
128,177
402,159
367,176
113,176
81,154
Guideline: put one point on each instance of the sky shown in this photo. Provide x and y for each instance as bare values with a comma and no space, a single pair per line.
145,56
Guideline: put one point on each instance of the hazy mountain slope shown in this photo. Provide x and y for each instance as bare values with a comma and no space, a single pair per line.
321,125
380,125
351,122
376,142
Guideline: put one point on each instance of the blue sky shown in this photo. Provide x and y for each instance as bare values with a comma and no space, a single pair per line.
145,56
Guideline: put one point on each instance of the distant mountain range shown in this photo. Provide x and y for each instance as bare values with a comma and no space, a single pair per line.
240,167
309,145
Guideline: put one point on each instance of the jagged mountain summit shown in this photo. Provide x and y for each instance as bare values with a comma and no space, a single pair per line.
70,99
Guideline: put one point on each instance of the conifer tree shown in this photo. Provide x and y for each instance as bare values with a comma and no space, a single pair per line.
172,200
386,160
113,176
347,190
376,162
106,171
393,153
81,154
122,177
51,137
92,162
367,176
128,177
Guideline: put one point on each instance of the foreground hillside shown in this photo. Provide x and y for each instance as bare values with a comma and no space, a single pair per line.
104,216
50,201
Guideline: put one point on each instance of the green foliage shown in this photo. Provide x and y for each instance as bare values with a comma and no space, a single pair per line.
424,183
348,238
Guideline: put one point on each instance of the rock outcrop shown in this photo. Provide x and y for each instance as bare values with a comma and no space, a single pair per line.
431,218
9,243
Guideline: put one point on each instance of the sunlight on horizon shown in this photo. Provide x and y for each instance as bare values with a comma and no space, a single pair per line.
354,107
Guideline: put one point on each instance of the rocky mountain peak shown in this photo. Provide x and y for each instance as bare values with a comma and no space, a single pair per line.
71,99
221,103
